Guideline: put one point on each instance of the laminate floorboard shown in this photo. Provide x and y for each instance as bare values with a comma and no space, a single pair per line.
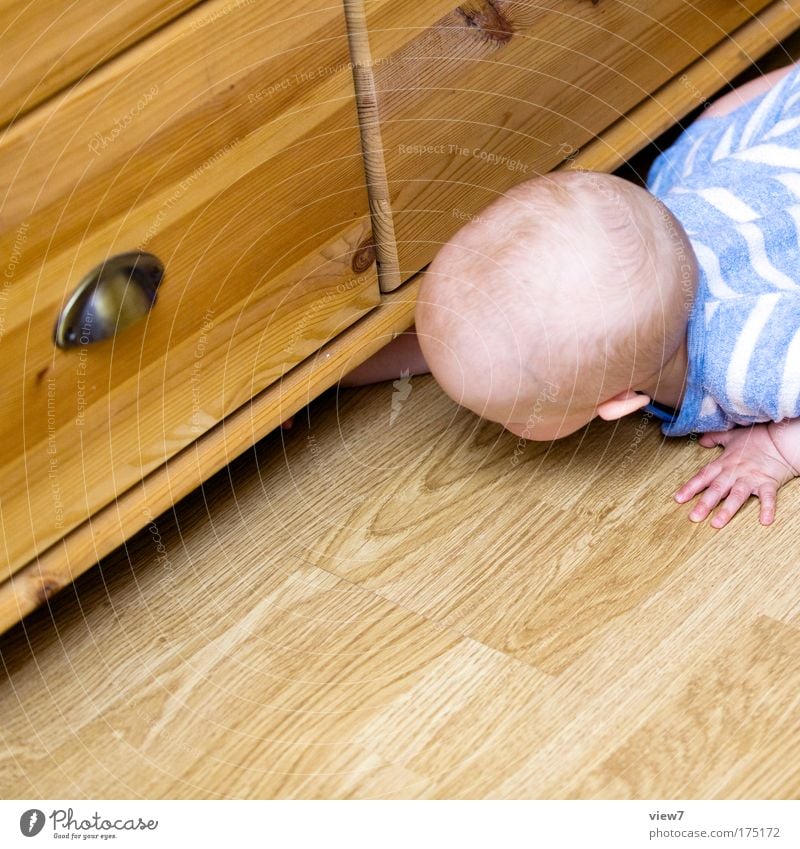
397,599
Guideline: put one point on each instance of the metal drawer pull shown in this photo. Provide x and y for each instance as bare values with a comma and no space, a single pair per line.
112,296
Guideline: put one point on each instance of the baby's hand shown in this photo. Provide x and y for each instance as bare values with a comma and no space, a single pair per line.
750,464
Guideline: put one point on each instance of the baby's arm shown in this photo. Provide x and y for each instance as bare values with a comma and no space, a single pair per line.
402,357
755,460
786,436
739,96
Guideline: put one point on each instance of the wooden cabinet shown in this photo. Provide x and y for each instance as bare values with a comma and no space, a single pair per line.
227,145
51,45
475,97
228,138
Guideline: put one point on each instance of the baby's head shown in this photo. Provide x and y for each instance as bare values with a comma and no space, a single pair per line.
557,302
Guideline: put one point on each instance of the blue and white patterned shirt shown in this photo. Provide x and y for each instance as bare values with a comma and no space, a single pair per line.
733,181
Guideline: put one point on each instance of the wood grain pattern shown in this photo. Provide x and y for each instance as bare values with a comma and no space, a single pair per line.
369,606
372,147
751,737
48,44
669,104
83,547
227,144
476,97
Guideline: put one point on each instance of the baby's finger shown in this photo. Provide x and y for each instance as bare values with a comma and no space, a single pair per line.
767,494
716,491
739,493
714,438
698,483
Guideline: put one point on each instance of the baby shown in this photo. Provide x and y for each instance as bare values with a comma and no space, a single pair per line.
579,294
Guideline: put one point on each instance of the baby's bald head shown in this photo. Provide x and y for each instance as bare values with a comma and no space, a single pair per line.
568,290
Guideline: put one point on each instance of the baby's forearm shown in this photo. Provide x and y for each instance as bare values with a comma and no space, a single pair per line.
402,356
786,437
739,96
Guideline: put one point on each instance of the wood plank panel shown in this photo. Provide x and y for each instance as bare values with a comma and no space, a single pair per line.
227,144
295,675
751,737
478,96
48,44
83,547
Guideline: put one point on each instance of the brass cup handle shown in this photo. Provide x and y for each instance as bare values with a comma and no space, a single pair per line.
112,296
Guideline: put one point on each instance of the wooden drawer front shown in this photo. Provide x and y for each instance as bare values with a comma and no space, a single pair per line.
48,44
227,144
476,97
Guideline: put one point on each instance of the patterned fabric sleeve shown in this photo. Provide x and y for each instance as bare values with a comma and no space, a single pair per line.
753,358
734,184
760,126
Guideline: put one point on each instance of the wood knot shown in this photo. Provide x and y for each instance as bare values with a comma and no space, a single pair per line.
364,255
47,588
486,16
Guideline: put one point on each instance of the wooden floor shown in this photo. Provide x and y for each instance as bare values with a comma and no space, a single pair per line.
392,603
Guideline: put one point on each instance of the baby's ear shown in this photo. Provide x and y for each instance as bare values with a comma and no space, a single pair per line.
623,404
